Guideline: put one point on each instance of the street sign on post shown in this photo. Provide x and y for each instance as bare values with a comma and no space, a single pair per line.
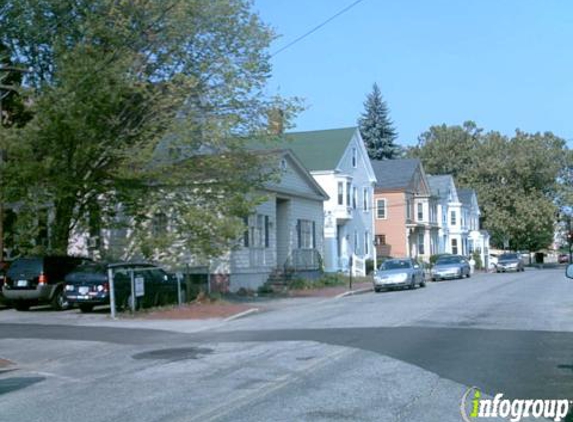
111,292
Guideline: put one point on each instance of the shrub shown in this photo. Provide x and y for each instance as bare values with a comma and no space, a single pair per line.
298,284
369,266
264,289
477,259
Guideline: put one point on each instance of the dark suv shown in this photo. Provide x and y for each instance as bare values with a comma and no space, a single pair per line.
39,280
87,286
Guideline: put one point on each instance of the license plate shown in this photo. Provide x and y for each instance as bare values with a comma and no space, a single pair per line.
22,283
84,290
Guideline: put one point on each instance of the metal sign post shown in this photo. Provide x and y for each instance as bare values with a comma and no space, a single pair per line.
111,292
179,276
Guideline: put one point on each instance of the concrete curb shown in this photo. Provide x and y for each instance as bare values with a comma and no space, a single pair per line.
242,314
6,365
354,292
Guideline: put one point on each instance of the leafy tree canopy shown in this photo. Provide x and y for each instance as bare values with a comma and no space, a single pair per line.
133,99
518,179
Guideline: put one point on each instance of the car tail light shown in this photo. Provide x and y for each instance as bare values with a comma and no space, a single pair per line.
43,279
106,287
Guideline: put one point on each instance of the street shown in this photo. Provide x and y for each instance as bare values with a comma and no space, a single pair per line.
391,356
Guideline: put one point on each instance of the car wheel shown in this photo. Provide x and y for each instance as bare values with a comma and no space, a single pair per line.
85,308
423,283
21,305
59,302
412,285
434,279
377,289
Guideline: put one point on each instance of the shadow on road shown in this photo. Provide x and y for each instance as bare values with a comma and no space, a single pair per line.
8,385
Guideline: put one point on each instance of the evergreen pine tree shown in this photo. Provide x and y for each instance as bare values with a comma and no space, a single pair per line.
377,129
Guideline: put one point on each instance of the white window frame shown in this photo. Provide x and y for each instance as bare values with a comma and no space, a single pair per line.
365,197
354,158
385,208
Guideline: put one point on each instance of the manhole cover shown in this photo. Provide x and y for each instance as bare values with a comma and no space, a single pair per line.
174,354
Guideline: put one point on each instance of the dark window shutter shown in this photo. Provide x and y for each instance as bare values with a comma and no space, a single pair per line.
313,235
298,234
246,233
267,234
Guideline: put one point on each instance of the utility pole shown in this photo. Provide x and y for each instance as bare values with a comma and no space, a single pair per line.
569,237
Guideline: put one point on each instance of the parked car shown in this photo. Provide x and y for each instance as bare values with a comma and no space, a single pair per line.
563,258
39,280
88,285
399,273
509,262
450,266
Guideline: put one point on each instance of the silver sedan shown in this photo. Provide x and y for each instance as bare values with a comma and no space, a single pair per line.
450,266
399,273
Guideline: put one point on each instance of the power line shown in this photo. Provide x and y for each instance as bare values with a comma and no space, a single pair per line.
316,28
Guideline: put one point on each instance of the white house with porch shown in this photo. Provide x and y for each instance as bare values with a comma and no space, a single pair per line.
284,233
338,161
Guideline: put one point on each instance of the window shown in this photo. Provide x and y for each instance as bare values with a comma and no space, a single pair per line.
159,224
355,242
420,212
365,199
257,234
408,209
348,189
340,193
354,161
421,249
453,218
354,197
366,242
306,234
454,246
380,239
381,209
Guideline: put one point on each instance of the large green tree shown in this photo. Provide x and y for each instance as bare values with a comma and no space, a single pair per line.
516,178
377,129
134,99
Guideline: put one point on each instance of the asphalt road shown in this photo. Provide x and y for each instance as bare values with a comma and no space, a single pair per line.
395,356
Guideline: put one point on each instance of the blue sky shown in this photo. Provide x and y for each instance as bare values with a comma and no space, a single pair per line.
504,64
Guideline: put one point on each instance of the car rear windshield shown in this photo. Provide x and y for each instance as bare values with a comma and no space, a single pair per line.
28,265
506,256
396,265
91,268
449,260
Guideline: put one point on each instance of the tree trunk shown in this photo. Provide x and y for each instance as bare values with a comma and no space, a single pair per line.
60,228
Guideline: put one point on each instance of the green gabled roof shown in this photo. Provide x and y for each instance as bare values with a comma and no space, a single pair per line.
317,149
